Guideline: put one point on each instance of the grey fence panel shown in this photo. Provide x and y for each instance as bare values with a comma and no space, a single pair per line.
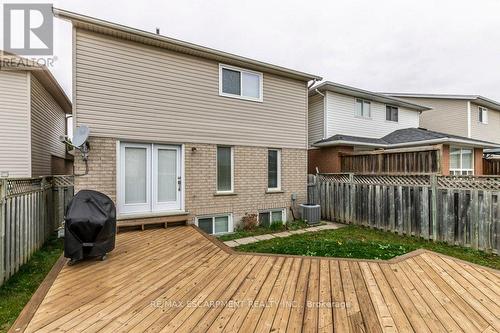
456,210
30,210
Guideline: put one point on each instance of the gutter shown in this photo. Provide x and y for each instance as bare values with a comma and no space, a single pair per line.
408,144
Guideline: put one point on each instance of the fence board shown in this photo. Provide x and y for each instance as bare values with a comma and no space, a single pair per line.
457,210
28,214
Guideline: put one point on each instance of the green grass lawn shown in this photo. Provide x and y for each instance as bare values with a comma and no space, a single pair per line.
275,227
359,242
17,291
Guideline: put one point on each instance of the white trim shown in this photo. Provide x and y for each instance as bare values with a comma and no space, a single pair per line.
242,70
73,77
217,169
30,152
230,224
325,116
278,188
469,122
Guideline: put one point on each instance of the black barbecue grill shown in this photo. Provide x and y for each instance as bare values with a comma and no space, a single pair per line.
90,226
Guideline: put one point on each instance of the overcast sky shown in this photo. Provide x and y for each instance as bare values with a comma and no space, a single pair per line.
430,46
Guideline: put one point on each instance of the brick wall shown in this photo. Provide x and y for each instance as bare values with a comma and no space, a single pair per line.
326,159
250,178
102,167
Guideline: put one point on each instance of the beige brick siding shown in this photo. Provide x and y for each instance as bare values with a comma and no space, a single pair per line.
250,182
102,167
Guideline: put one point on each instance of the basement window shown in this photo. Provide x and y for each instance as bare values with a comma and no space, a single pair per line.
240,83
217,224
266,218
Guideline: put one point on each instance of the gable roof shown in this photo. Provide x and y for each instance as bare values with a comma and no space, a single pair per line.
473,98
149,38
373,96
403,138
12,62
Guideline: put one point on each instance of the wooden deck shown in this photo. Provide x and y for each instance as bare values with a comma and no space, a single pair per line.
178,280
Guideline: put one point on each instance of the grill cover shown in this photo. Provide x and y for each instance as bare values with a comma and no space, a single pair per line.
90,225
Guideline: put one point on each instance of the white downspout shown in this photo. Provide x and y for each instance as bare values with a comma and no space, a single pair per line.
469,120
325,114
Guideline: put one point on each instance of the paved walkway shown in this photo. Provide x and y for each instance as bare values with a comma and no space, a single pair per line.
255,239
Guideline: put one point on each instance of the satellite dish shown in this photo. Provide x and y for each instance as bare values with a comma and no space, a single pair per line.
81,136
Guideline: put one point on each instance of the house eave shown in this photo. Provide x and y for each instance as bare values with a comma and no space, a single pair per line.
149,38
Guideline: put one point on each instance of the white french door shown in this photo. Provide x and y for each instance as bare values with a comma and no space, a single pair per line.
149,178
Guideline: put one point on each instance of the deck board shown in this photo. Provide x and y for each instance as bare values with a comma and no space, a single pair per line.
177,279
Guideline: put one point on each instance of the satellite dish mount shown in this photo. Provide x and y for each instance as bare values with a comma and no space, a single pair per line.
80,143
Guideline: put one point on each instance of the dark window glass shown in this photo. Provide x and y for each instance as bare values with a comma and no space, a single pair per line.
264,219
391,113
272,169
206,225
224,169
231,82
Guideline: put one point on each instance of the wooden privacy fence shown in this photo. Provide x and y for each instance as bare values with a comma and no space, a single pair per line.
491,166
30,210
420,160
458,210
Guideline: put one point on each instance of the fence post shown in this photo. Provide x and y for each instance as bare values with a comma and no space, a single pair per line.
434,188
3,192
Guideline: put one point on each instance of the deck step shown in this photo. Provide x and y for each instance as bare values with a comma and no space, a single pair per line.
142,222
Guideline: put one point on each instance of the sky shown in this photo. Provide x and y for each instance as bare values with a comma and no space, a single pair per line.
423,46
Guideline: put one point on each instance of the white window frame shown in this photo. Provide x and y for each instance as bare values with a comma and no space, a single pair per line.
269,211
484,115
391,106
230,225
242,70
363,101
459,171
217,169
278,188
161,206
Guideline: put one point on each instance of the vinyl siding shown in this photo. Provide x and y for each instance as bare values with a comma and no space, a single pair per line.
341,118
315,118
48,123
447,116
131,91
487,132
14,124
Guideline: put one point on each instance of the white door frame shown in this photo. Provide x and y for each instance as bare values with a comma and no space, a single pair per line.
171,205
151,208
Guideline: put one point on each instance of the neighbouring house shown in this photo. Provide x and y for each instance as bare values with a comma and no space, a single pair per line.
181,132
33,112
354,130
470,116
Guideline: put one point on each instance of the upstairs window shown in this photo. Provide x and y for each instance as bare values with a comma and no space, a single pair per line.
391,113
363,108
483,115
461,161
240,83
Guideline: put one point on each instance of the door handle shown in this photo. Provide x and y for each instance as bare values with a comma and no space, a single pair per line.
179,183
